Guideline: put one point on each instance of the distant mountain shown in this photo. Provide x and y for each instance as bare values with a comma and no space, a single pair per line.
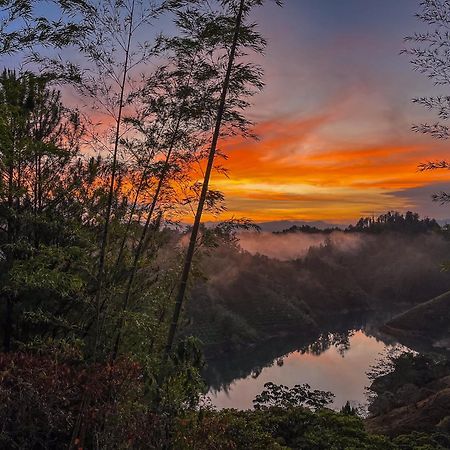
280,225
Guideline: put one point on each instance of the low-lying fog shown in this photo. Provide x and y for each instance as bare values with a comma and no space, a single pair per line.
290,246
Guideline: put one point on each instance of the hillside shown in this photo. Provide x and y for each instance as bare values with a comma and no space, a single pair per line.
426,323
246,298
413,396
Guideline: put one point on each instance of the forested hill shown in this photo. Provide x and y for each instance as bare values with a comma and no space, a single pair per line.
247,296
395,221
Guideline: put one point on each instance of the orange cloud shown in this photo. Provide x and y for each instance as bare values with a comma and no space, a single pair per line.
293,172
296,171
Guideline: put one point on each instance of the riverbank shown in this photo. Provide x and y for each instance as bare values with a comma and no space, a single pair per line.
413,396
425,326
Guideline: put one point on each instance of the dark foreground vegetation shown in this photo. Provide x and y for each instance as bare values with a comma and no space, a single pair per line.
41,398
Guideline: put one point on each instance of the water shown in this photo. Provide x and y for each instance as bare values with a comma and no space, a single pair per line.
336,363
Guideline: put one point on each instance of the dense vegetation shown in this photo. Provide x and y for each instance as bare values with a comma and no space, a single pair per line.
248,298
411,393
394,221
391,221
88,265
120,420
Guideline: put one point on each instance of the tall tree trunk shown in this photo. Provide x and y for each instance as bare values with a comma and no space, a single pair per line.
198,216
37,196
155,199
104,243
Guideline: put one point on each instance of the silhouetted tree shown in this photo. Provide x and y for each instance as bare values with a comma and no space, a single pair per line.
177,101
429,55
39,140
238,78
22,28
395,221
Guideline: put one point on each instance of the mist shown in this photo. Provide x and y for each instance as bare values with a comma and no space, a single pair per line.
290,246
275,283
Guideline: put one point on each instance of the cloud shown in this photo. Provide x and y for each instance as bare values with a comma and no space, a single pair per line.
420,200
295,171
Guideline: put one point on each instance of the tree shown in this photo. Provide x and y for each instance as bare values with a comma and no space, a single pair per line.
23,28
38,142
280,396
169,116
237,78
178,111
112,50
429,55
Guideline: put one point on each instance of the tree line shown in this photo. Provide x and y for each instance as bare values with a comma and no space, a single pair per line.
410,222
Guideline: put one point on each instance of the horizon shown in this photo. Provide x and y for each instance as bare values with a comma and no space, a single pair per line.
271,226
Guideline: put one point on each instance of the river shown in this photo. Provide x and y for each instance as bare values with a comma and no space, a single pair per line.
338,363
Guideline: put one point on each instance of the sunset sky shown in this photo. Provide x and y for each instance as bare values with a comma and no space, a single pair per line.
335,118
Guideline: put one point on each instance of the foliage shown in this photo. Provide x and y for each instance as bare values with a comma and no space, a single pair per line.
394,221
422,441
223,430
428,52
42,396
400,380
183,385
410,367
293,428
46,264
284,397
21,27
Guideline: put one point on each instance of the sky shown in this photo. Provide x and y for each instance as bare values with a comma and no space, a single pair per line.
335,118
334,121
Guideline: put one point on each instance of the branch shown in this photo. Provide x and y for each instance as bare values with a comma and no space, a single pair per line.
441,197
433,165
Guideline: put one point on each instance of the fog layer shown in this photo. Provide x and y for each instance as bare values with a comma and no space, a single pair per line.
289,246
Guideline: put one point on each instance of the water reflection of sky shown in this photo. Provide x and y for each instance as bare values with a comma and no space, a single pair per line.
344,374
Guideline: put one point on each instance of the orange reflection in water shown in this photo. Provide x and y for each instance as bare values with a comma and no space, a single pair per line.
342,374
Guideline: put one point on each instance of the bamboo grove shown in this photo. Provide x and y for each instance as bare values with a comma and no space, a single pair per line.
95,262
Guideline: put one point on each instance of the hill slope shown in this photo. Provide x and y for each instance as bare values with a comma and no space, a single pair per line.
428,322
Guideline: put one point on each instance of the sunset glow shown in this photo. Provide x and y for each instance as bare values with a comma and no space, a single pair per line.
290,173
334,120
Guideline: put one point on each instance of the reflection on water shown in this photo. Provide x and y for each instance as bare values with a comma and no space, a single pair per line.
334,362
